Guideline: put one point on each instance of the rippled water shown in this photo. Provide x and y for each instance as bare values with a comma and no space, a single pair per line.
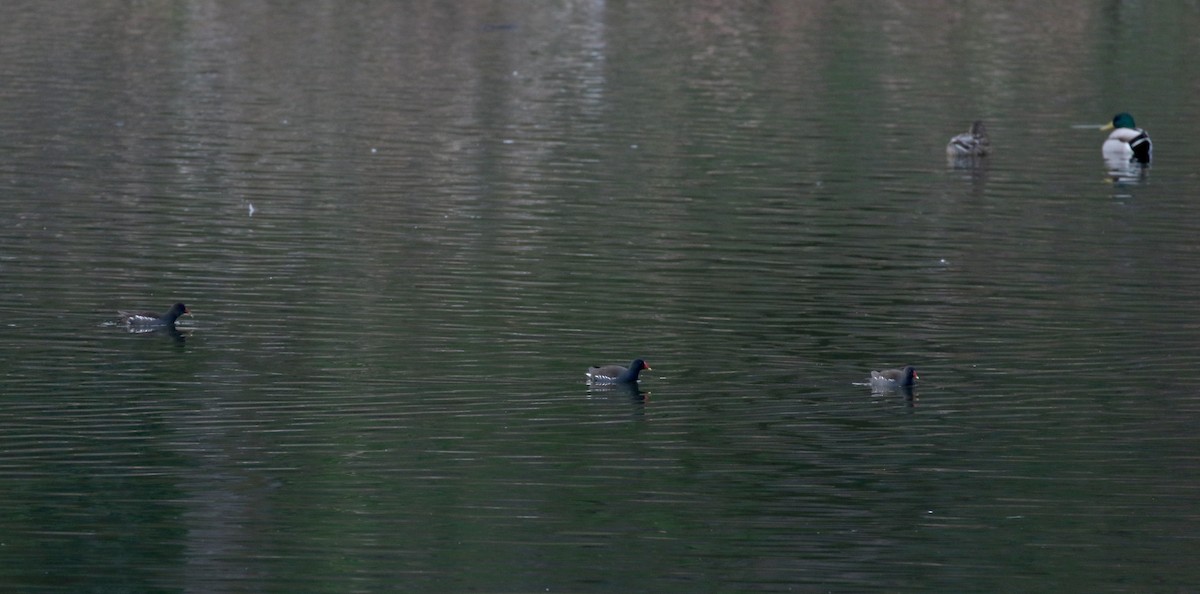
406,231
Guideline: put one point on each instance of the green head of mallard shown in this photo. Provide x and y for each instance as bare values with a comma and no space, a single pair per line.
1121,120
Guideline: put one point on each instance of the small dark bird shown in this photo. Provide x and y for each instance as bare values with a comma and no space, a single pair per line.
615,374
894,378
153,320
972,143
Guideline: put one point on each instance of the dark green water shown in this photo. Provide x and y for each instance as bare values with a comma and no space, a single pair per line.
405,231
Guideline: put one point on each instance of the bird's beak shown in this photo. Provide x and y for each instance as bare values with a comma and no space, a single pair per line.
1107,127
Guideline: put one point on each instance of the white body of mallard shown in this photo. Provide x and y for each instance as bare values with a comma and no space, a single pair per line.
1128,144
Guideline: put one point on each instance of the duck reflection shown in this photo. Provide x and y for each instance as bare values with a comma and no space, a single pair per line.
970,163
1124,171
907,394
972,169
165,332
630,391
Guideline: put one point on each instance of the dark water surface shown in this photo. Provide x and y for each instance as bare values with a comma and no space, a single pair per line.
406,229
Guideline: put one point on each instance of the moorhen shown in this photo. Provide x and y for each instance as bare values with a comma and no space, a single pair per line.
972,143
894,378
152,320
615,374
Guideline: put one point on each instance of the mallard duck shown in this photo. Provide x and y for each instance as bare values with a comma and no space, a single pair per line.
972,143
1127,142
